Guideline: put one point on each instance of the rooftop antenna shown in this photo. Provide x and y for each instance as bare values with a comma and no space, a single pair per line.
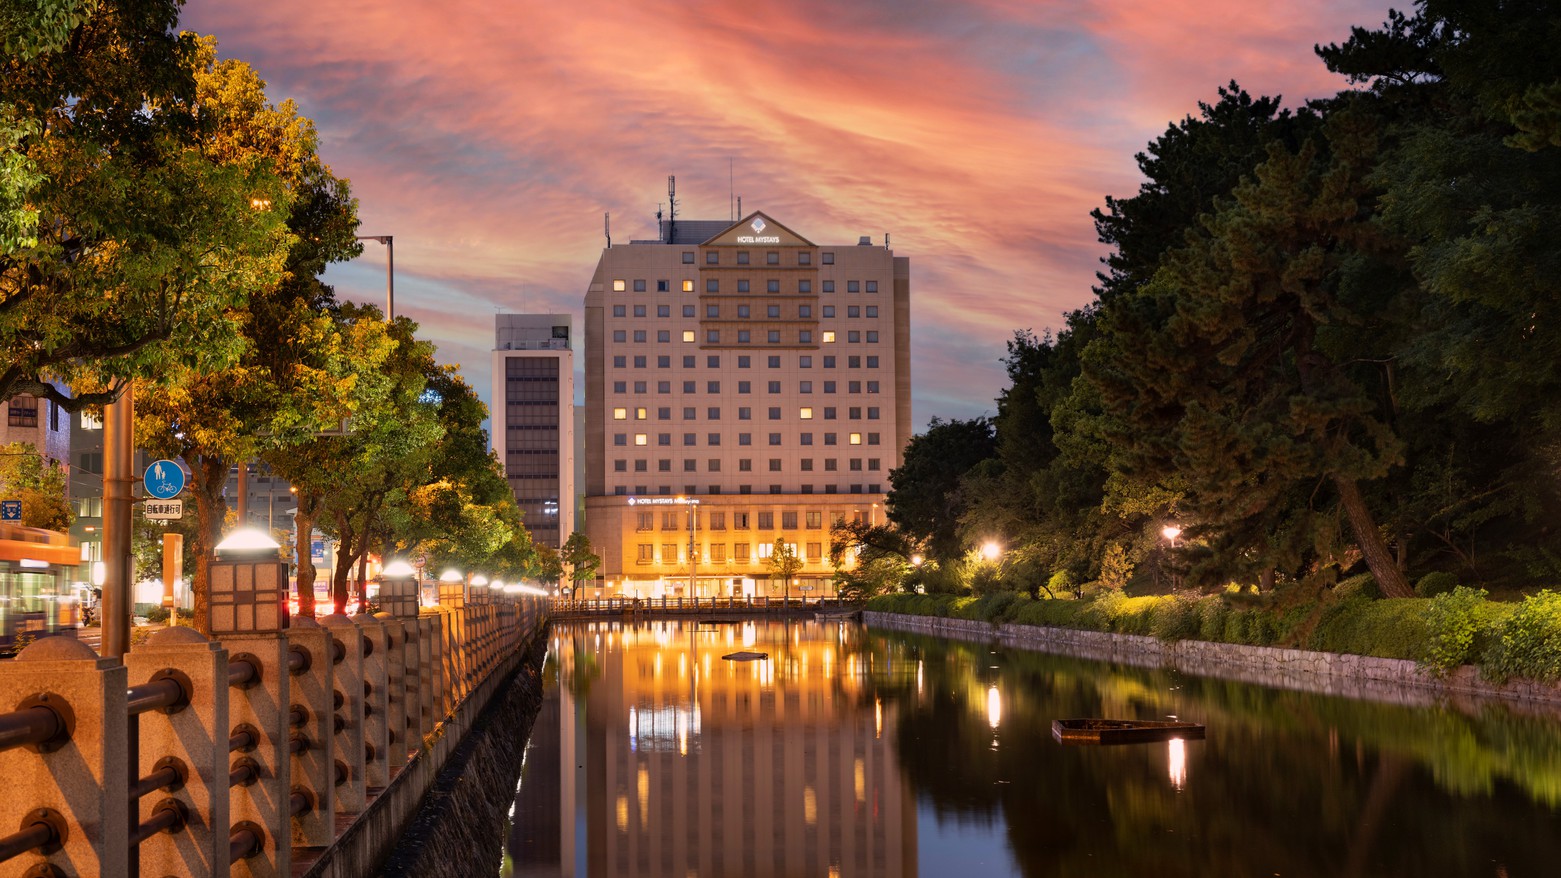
607,228
886,240
672,207
739,205
731,187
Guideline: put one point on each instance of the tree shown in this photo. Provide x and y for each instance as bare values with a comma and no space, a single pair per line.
783,563
124,243
1239,365
39,483
925,498
582,562
871,559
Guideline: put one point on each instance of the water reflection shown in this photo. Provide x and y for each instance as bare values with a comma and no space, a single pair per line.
851,753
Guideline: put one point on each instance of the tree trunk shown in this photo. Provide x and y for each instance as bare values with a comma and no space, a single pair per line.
1378,556
303,551
344,541
209,476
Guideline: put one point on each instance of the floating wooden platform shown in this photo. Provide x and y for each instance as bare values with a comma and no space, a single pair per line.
1122,731
746,656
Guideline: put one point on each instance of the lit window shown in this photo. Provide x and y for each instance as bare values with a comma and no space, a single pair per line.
688,286
688,335
620,414
619,286
828,336
856,438
640,413
806,414
644,438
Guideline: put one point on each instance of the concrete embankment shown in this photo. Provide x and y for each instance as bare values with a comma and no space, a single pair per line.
458,830
1352,676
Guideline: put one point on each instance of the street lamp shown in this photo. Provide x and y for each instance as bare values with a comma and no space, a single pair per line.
1171,532
390,271
990,550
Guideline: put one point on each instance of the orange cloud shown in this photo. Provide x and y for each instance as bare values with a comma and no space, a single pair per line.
491,139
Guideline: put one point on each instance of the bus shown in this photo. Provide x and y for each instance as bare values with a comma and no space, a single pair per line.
36,570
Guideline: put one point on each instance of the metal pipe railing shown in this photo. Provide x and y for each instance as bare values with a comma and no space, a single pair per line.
166,777
169,815
244,772
298,660
242,672
245,840
35,835
157,694
32,725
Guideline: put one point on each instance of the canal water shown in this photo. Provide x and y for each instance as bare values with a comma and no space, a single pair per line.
856,752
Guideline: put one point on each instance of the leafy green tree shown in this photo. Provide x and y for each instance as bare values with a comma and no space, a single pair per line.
783,563
125,241
583,563
926,499
871,559
40,483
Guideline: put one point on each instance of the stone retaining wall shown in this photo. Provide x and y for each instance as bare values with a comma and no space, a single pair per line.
1352,676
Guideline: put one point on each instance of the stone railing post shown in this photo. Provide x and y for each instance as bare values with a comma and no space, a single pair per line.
190,741
376,704
313,703
452,596
247,608
348,724
427,669
79,777
395,688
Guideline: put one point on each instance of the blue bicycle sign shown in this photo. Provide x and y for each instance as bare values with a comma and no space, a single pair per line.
164,479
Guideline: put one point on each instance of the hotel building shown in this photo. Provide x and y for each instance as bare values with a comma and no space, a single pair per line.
533,420
743,385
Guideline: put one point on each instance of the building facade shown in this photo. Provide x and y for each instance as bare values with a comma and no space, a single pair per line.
533,420
743,385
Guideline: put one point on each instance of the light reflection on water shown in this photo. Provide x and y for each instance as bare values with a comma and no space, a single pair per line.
856,753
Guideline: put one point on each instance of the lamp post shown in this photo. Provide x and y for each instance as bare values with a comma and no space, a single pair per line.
693,557
1171,532
390,271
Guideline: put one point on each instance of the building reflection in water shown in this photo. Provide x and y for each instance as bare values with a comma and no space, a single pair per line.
672,762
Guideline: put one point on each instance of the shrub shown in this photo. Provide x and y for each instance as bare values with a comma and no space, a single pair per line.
1528,642
1453,622
1174,618
1115,567
1212,617
1362,586
1435,583
1056,614
1390,628
1063,584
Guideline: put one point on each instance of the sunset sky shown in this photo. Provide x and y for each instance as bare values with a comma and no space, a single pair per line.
490,138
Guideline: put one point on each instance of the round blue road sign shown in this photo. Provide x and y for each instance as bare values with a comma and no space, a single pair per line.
164,479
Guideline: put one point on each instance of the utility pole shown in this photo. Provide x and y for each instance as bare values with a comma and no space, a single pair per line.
118,460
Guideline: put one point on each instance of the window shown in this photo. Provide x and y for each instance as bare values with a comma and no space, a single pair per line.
646,553
620,414
789,520
872,413
664,413
856,438
744,361
829,410
827,337
641,439
663,386
712,285
740,520
853,362
765,549
620,387
745,465
688,386
618,311
688,286
620,466
872,463
872,310
772,258
712,311
872,335
772,311
620,335
853,387
742,287
829,258
872,387
712,438
856,464
804,258
639,335
742,336
744,413
804,311
774,387
639,310
804,387
740,553
775,438
805,362
829,438
742,312
872,286
775,414
619,286
744,438
663,466
772,286
872,438
804,286
806,438
639,387
853,311
831,465
690,413
661,310
688,257
742,257
669,553
713,387
713,414
872,362
744,387
661,286
688,310
807,465
717,553
774,336
717,520
712,257
663,439
805,413
639,466
829,286
689,439
663,362
620,439
690,466
805,336
854,336
853,286
829,361
639,286
855,413
815,520
766,521
688,336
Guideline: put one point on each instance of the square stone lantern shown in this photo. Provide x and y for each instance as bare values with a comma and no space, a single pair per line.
398,590
452,590
248,588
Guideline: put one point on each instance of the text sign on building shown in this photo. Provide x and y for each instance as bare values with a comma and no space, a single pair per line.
10,510
163,510
164,479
